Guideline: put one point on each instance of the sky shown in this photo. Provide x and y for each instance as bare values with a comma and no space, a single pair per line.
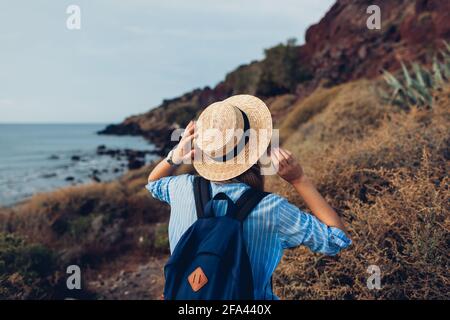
129,55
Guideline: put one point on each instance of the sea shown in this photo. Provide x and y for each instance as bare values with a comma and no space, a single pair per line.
40,157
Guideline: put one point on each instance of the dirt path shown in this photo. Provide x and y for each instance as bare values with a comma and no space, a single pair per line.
134,281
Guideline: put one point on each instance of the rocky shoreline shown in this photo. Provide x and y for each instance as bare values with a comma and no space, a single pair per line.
127,159
135,158
160,138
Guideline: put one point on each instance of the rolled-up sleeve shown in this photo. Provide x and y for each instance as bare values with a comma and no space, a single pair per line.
160,189
299,228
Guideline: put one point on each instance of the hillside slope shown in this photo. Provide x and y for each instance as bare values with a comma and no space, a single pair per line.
338,49
384,170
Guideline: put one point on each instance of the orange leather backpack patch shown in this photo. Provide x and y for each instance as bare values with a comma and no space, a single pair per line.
197,279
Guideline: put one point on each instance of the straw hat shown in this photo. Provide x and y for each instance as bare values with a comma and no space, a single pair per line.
233,134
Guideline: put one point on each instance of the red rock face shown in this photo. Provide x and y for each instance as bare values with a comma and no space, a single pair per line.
430,21
341,47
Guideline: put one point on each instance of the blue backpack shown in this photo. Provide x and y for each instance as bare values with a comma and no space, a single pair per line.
210,261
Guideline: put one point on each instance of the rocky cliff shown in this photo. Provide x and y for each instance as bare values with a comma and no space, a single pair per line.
337,49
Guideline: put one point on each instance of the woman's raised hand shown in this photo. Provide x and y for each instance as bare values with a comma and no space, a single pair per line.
291,171
184,150
288,167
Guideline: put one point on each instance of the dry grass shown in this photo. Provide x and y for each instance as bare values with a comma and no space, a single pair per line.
280,106
391,186
89,223
302,111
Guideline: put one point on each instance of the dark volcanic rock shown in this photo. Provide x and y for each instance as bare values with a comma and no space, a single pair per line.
75,158
48,175
135,163
95,175
127,129
134,153
135,158
70,178
109,152
96,178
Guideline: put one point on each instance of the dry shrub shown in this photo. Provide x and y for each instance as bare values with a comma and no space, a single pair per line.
280,105
348,111
25,270
383,170
391,187
404,232
89,223
302,111
329,120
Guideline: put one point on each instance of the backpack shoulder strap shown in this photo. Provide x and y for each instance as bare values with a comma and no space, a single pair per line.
201,194
247,202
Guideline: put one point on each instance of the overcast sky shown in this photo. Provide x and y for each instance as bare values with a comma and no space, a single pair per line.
131,54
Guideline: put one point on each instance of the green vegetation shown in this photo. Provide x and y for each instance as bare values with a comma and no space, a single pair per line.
26,270
161,239
416,88
282,70
245,79
182,116
279,72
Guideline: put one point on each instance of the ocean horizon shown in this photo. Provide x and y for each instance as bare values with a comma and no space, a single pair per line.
41,157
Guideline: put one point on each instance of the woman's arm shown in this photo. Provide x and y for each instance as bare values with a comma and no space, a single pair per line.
182,152
161,170
291,171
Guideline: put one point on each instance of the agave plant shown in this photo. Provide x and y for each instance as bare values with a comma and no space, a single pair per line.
415,86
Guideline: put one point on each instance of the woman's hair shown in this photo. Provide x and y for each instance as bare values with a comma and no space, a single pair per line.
252,177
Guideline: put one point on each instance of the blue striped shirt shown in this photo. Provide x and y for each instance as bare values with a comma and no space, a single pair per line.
274,225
